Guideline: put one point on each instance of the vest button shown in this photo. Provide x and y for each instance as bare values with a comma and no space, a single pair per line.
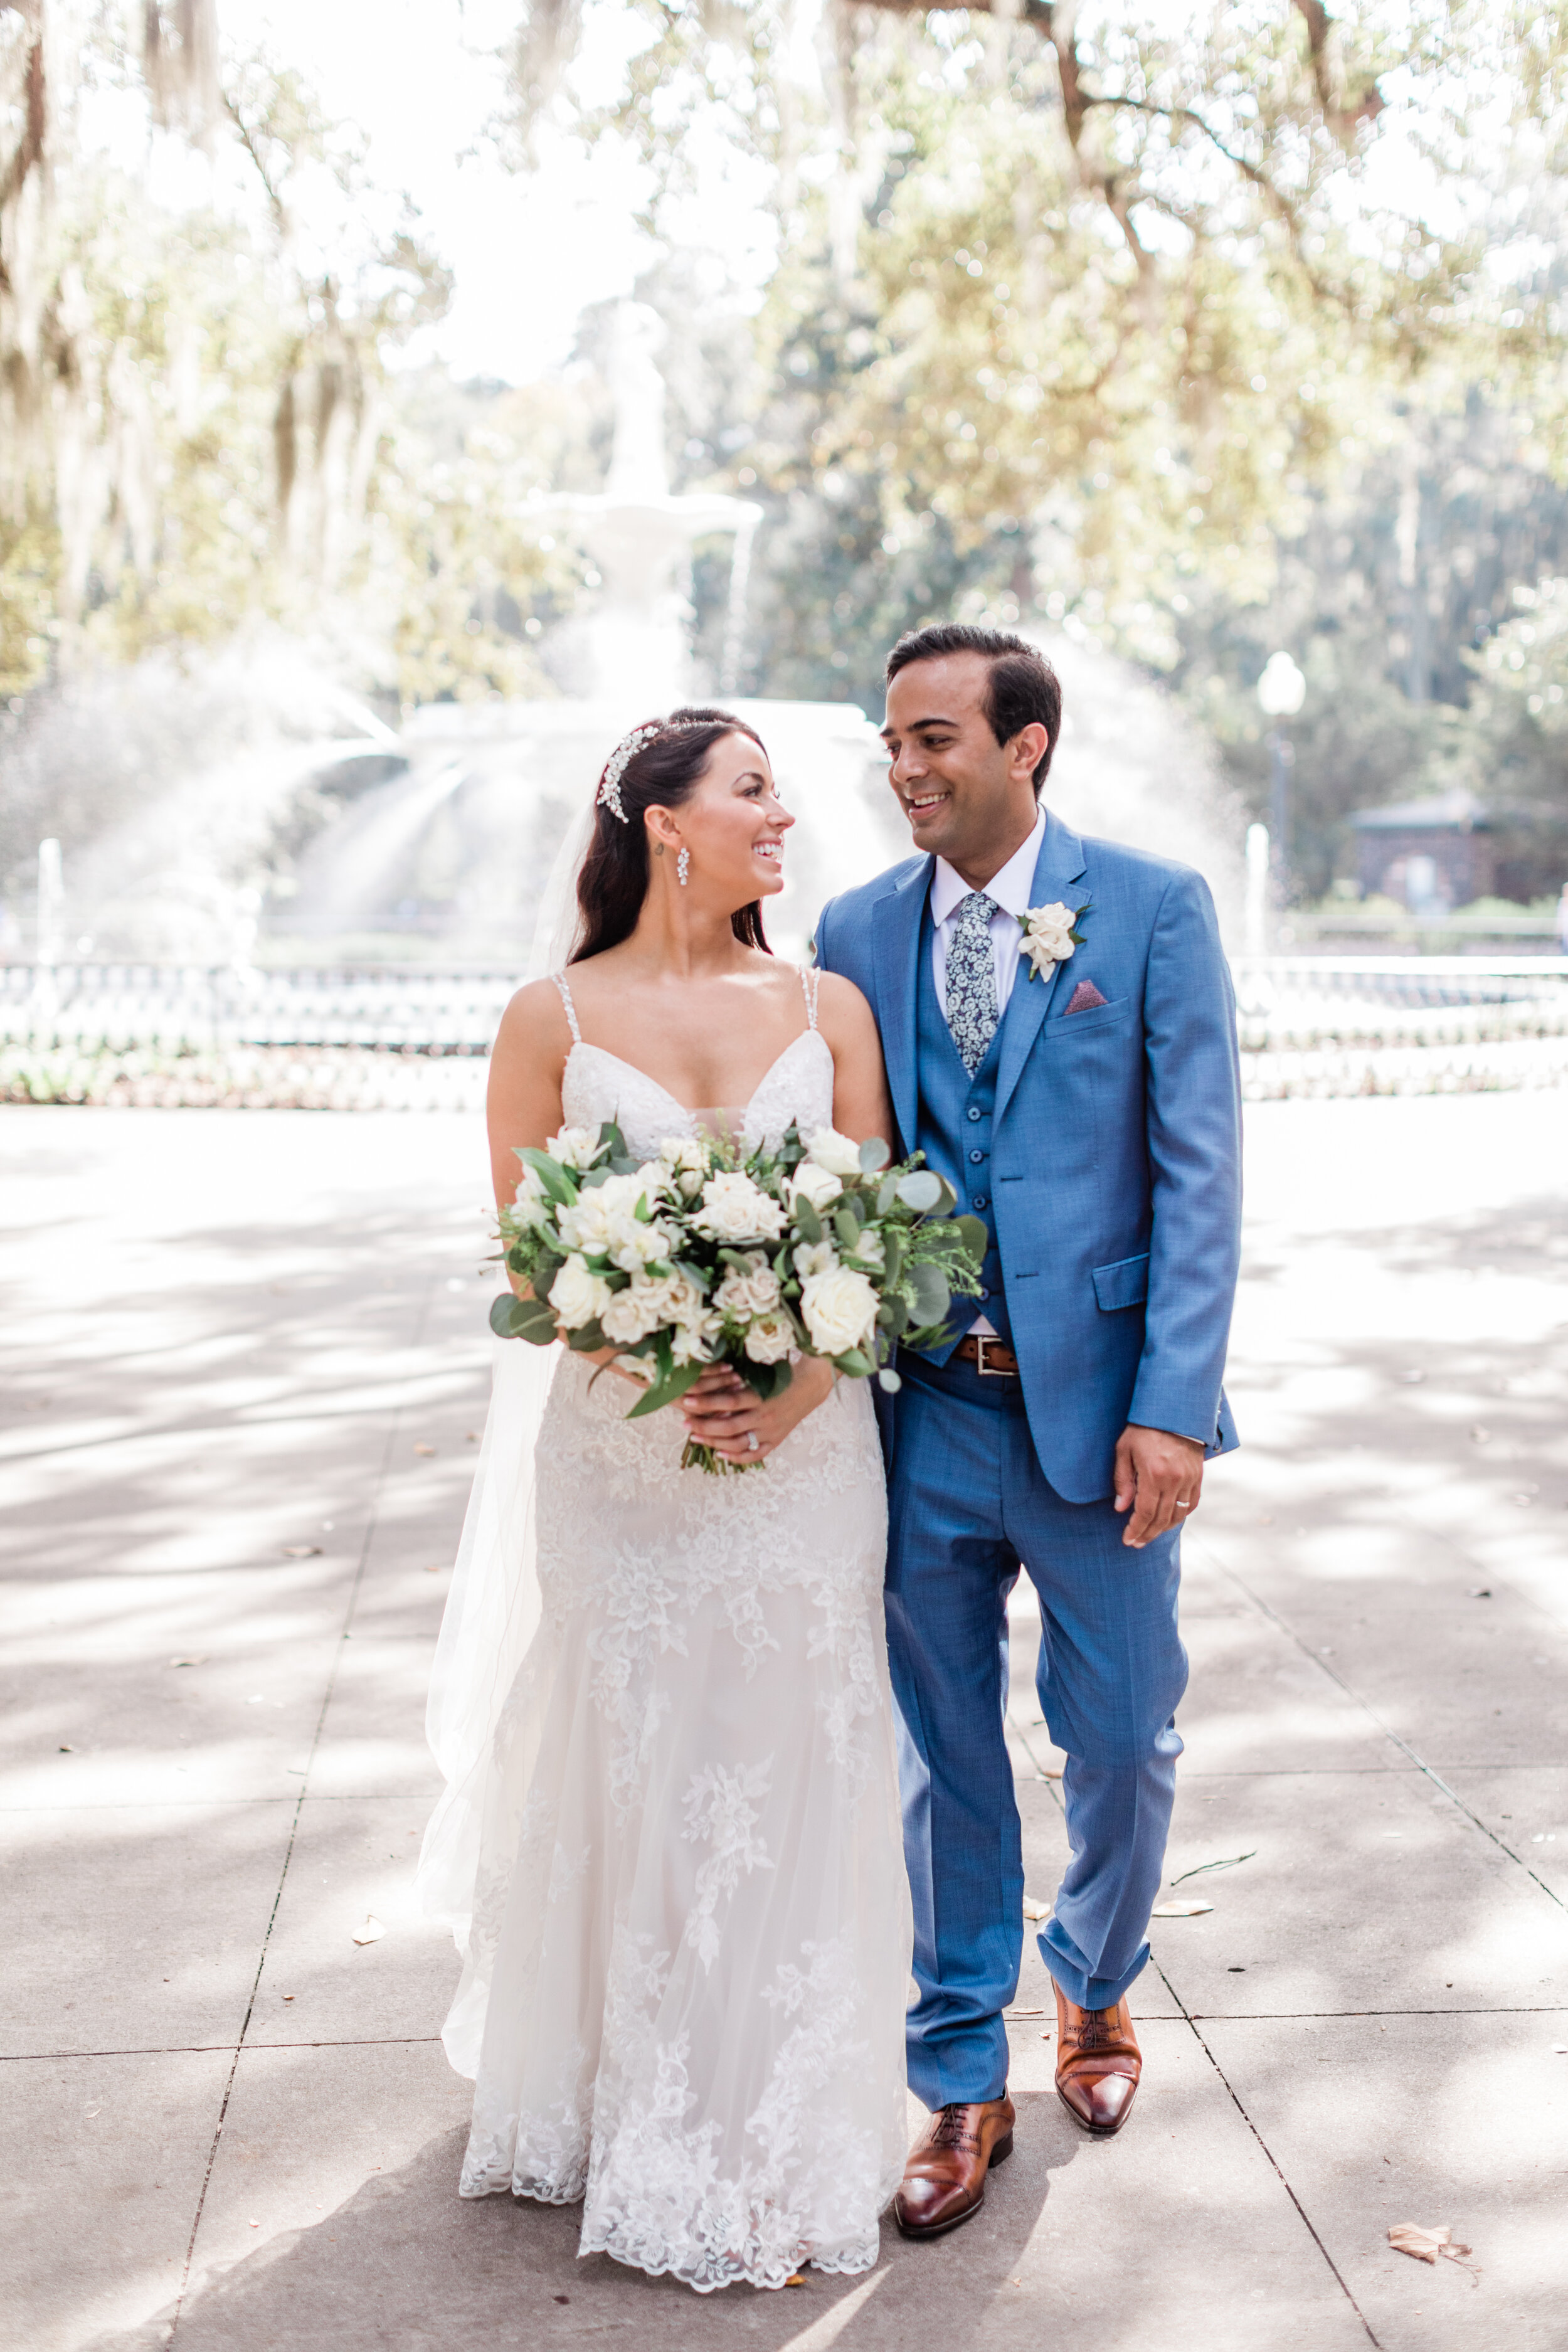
977,1156
974,1113
980,1201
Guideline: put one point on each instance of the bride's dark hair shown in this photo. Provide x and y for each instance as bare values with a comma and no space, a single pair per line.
613,879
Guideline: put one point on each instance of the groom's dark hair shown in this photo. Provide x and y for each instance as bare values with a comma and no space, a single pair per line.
1022,689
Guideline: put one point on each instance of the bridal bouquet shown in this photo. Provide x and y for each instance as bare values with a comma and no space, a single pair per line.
716,1254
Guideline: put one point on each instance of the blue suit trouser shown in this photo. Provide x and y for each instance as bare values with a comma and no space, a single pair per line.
968,1503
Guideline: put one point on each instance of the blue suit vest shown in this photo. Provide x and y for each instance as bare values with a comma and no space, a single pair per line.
953,1130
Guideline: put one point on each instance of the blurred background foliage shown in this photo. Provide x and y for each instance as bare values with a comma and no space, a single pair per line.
1199,332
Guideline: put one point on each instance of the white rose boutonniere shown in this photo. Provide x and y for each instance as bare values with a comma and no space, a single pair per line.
1049,937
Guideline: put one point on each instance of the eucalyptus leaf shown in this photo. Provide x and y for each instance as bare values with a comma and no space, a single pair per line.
855,1363
931,1294
887,1193
521,1319
890,1383
921,1190
588,1340
975,1238
808,1220
874,1156
892,1315
595,1177
847,1229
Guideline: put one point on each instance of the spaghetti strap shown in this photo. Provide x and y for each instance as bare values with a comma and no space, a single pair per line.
810,978
560,979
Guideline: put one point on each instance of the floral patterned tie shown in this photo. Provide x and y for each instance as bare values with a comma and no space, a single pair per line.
972,979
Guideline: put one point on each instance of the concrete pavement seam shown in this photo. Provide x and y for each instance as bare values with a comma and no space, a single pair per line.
1268,2151
1403,1746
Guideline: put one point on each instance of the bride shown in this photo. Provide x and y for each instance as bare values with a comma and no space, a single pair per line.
670,1841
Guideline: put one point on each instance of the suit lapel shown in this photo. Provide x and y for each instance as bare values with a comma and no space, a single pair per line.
896,936
1057,872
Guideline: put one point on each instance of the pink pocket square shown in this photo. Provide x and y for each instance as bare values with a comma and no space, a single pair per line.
1085,996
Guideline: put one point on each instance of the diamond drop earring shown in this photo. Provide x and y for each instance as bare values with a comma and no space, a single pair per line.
683,867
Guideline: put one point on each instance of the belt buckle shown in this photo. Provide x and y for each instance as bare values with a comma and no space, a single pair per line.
981,1342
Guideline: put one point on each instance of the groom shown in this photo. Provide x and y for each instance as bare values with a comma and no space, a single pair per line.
1079,1089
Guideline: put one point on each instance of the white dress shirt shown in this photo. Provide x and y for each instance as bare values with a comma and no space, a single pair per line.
1010,888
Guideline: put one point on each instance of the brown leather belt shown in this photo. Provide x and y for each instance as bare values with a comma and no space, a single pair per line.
989,1356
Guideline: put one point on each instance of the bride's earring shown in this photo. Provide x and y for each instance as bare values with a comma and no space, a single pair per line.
683,867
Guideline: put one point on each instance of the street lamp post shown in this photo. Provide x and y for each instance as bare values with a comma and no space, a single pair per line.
1281,690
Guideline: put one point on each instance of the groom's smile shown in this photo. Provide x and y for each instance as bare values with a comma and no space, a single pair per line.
969,798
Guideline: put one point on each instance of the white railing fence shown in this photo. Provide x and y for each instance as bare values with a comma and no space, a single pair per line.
409,1037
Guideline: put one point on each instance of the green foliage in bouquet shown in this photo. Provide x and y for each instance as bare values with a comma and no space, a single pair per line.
719,1253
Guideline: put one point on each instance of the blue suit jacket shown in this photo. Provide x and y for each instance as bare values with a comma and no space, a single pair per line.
1116,1148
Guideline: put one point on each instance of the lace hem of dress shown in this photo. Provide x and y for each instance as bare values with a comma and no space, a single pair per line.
773,2249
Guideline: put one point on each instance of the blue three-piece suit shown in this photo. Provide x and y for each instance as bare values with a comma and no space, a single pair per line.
1101,1149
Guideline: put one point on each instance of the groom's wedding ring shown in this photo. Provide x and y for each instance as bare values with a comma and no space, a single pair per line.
1184,1507
752,1445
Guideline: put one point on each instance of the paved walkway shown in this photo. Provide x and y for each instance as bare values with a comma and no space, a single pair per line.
247,1353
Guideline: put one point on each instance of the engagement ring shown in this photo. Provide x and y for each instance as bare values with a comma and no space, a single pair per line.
752,1440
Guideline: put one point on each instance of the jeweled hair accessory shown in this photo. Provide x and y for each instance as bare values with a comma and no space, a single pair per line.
620,759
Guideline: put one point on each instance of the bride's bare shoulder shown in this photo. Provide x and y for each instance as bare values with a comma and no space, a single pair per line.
534,1026
840,1007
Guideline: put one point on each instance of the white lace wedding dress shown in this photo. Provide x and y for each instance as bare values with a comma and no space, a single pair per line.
685,1978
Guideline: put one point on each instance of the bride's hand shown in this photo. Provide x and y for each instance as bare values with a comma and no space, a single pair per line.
723,1412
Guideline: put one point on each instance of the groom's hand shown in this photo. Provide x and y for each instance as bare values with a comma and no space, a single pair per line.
1159,1478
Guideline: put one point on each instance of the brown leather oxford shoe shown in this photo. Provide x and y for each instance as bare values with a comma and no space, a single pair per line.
1098,2065
944,2179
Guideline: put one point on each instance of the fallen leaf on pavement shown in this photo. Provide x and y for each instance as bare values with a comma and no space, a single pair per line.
300,1551
1033,1910
1426,2245
433,1567
795,2278
371,1933
1179,1910
189,1661
425,1449
1228,1863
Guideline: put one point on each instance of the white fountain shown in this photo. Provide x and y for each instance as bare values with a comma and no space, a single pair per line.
460,847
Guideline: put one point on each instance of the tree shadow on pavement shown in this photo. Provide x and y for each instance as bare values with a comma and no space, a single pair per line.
407,2266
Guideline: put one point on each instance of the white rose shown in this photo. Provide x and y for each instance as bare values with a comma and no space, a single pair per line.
869,1249
575,1146
684,1152
835,1153
633,1313
770,1339
839,1309
813,1258
1048,932
577,1296
818,1185
599,1215
735,1210
754,1293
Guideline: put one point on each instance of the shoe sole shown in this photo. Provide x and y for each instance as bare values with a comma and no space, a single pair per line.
1096,2131
999,2154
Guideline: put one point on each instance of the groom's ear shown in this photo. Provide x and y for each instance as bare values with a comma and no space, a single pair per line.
1029,748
